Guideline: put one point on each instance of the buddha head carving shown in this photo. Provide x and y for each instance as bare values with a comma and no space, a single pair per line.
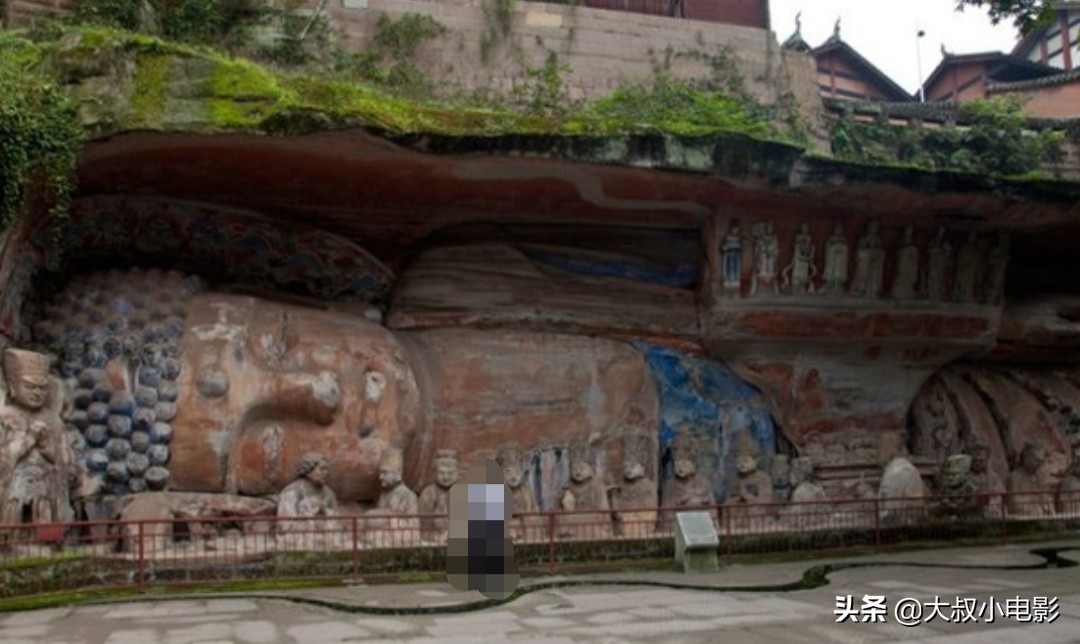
27,376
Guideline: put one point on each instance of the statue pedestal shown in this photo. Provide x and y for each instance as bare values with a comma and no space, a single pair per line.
696,542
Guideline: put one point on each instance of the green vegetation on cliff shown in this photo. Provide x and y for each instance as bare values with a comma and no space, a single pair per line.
992,138
39,137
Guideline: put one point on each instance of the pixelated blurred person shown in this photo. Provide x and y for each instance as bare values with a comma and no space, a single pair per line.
480,555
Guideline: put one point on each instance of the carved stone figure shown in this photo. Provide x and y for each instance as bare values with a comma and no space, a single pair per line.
801,271
635,498
308,496
1069,492
869,264
731,258
687,487
766,261
396,499
522,528
997,265
242,387
780,471
988,485
907,267
938,268
1027,496
957,495
37,467
835,277
806,495
902,493
587,493
968,267
751,487
433,498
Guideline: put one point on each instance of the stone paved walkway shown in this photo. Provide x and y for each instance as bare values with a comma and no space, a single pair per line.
619,613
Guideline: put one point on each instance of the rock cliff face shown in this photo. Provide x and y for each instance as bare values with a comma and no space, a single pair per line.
378,279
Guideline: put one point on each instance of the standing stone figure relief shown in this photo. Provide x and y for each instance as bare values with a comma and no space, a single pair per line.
766,261
869,264
835,277
997,265
308,496
958,490
1069,492
800,273
37,466
752,486
806,494
687,487
637,493
906,280
584,492
987,484
433,498
1027,497
396,499
938,268
968,266
731,258
511,460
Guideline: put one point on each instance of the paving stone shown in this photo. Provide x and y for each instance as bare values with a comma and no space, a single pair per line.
386,624
140,636
547,622
328,631
255,632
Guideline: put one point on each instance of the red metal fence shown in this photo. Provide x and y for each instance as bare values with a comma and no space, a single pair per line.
46,557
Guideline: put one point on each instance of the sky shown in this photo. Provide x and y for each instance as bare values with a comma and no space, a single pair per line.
885,32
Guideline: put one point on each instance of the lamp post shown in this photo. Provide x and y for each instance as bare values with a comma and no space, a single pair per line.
918,63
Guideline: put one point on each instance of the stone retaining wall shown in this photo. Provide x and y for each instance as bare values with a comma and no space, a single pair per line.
600,49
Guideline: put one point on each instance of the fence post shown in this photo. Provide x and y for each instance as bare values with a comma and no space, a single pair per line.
877,522
551,543
141,563
1004,520
355,554
728,537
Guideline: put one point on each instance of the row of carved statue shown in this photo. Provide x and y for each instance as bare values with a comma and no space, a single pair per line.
976,274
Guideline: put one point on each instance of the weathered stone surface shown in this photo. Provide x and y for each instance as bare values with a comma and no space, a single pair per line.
535,388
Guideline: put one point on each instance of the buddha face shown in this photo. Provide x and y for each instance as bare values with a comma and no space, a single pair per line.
633,470
684,468
745,464
979,463
514,475
446,473
319,473
581,471
30,390
389,477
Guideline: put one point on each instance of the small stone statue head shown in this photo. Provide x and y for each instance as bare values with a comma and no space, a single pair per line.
390,466
446,468
27,375
746,454
510,459
581,468
955,470
1032,457
682,457
315,467
980,457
